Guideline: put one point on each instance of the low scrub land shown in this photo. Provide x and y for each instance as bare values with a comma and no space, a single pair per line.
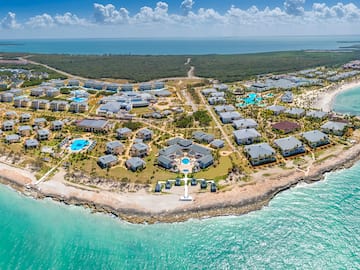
227,68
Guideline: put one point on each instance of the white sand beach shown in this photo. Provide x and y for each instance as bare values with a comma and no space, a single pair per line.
326,97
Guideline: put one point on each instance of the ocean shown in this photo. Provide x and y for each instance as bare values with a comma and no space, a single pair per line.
347,102
313,226
177,46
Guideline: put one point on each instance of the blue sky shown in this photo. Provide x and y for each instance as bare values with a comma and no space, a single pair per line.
139,18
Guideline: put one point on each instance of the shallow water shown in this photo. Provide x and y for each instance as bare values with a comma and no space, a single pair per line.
308,227
348,102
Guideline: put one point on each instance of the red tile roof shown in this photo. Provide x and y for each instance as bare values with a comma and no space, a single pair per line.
286,126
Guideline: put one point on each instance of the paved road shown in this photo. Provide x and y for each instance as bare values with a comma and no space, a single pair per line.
218,124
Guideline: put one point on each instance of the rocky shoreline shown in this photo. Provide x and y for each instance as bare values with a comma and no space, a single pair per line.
216,209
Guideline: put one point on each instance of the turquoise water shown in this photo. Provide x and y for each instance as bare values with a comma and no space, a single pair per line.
348,102
308,227
78,99
79,144
185,161
176,46
251,99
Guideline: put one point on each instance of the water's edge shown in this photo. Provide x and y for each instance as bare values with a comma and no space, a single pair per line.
207,211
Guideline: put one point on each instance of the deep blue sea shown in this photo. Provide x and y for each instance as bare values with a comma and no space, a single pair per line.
313,226
176,46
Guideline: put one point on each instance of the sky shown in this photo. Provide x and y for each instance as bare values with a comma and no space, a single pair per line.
176,18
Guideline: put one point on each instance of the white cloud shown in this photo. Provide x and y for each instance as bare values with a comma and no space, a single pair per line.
187,6
40,21
294,7
109,15
291,18
339,11
69,19
9,22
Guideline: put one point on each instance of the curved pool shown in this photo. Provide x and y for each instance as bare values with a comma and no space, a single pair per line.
78,99
79,144
185,161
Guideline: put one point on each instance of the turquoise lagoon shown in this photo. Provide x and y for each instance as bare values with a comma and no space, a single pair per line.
348,102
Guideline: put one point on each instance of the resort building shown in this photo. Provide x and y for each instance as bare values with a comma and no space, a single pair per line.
114,148
13,138
335,128
276,109
10,115
109,108
57,125
8,125
216,100
43,134
127,87
221,87
202,137
16,92
40,104
53,92
286,127
31,143
320,115
217,144
169,157
145,86
78,107
40,122
73,83
107,161
315,138
94,85
6,97
295,112
135,163
123,133
246,136
129,100
287,97
229,117
290,146
159,85
25,117
59,105
22,102
245,123
224,108
94,125
259,154
208,91
37,92
24,131
58,83
113,87
139,150
145,134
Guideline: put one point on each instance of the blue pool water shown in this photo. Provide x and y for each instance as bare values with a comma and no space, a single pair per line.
252,99
185,161
79,144
79,99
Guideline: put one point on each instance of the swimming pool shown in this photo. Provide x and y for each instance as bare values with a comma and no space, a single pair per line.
78,99
185,161
79,144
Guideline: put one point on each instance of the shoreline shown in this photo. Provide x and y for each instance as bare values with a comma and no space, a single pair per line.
326,101
238,201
